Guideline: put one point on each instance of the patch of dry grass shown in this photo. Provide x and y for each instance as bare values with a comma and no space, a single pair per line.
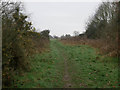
106,47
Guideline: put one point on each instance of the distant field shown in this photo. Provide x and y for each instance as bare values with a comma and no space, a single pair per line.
70,66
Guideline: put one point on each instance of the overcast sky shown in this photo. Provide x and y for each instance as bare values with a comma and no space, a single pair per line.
60,17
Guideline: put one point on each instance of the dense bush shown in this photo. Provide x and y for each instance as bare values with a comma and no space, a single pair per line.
18,41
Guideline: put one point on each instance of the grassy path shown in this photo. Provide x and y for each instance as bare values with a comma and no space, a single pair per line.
69,66
66,74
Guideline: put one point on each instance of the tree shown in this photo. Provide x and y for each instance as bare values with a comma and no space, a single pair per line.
45,33
76,33
105,15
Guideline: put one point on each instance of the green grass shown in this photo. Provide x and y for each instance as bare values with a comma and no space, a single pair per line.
45,71
91,70
86,68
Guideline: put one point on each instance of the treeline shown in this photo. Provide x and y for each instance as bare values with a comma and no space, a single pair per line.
103,26
102,29
19,41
